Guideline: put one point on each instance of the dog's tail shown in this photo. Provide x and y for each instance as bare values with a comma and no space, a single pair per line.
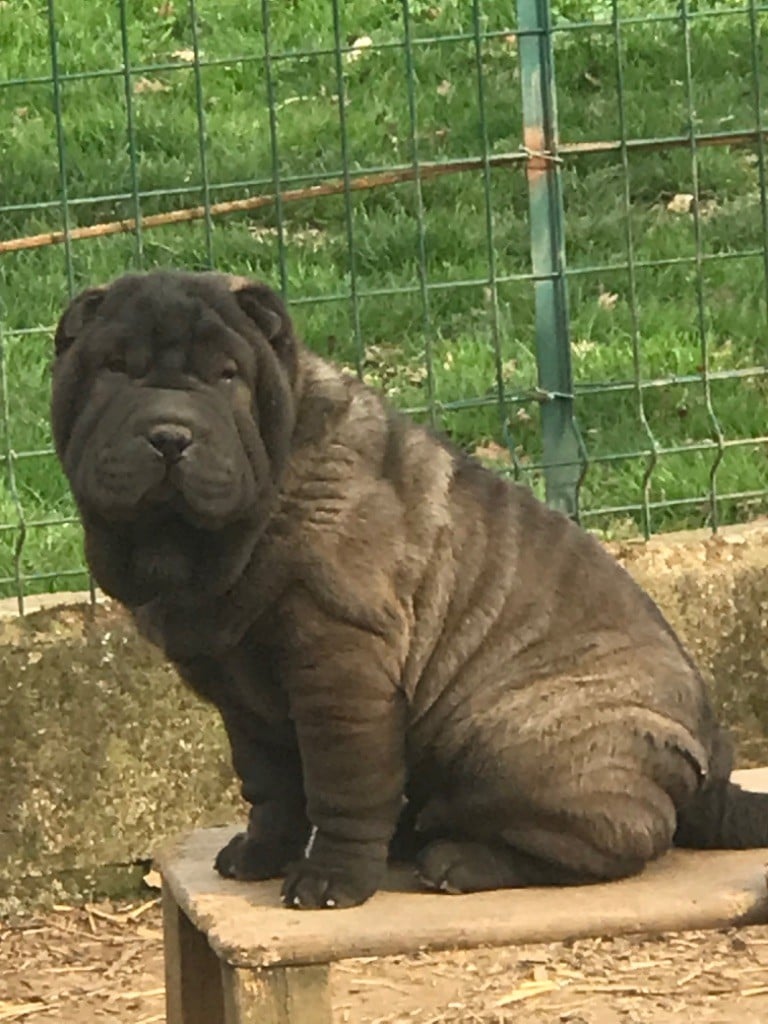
723,816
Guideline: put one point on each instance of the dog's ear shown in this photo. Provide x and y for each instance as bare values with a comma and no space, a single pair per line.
77,314
267,310
276,373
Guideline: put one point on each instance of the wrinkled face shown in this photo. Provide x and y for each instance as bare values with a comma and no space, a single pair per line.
172,399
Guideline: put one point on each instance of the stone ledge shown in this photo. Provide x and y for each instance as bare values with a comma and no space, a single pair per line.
102,752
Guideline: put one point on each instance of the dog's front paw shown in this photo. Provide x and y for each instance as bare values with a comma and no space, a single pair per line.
249,860
313,886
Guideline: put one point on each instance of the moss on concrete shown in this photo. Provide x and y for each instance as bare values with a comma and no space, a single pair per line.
102,751
103,754
714,591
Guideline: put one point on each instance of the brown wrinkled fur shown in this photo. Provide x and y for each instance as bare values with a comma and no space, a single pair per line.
400,643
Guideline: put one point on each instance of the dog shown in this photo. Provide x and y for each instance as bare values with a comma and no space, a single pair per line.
412,657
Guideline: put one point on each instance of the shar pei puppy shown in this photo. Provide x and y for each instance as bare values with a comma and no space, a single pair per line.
412,657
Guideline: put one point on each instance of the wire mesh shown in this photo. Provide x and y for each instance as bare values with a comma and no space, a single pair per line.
604,342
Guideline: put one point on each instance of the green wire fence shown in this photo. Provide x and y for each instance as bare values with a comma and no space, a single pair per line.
579,295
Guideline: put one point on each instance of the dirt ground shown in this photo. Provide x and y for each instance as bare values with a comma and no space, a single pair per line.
103,963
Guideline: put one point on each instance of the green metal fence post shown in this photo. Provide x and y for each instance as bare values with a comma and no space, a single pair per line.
562,449
274,146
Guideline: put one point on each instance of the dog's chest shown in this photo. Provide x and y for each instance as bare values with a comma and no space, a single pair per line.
254,679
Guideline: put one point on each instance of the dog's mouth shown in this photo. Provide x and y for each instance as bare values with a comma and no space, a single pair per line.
168,488
164,501
171,499
162,492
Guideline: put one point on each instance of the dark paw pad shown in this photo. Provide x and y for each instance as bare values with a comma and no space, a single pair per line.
310,887
457,867
248,860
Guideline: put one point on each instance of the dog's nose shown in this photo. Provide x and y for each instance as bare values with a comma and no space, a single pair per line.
171,440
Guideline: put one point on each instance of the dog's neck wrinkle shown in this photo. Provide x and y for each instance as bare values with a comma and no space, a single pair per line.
218,621
197,551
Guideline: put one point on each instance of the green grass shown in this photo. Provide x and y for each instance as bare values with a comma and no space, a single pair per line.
398,331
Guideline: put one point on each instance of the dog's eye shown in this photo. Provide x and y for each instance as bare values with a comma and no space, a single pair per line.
228,371
116,364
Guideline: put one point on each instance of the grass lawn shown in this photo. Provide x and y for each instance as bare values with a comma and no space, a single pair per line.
142,133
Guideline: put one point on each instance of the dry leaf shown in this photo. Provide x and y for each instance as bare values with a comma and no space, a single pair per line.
583,346
165,10
153,879
15,1011
142,85
681,203
185,55
141,993
526,990
416,374
445,88
359,46
607,300
493,452
21,111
